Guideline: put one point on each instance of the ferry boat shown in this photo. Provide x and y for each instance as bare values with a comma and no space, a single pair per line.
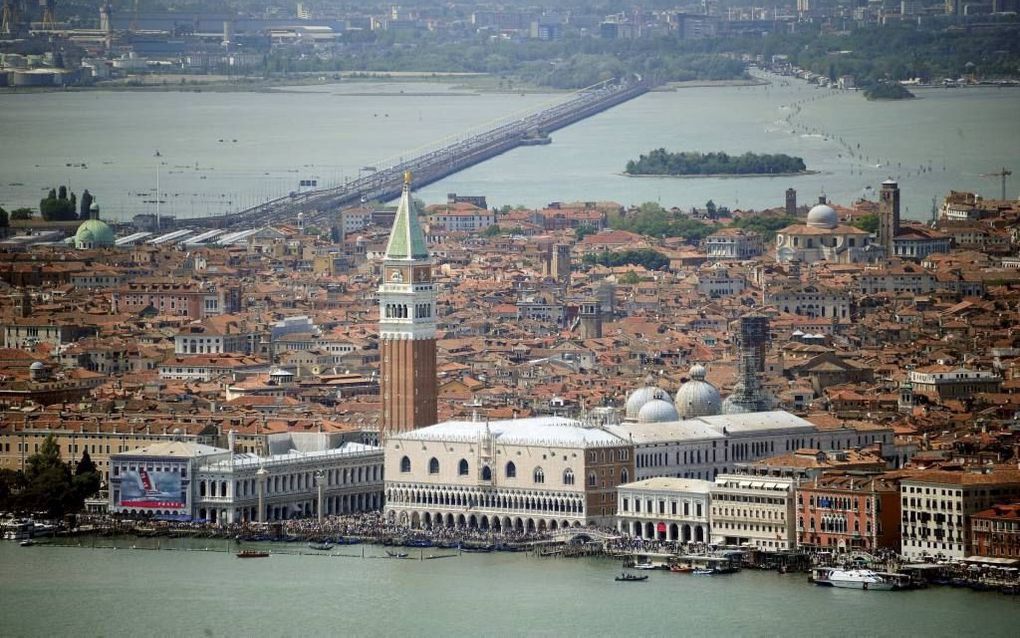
21,528
252,553
852,579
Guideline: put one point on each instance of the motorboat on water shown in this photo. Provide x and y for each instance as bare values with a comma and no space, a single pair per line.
644,566
864,579
396,554
252,553
630,578
703,571
28,542
681,569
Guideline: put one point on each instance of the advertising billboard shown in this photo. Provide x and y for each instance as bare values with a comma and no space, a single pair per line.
144,488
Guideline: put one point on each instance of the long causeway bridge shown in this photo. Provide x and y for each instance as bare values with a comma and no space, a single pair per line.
432,165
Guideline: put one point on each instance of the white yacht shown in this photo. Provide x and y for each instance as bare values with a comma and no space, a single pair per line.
852,579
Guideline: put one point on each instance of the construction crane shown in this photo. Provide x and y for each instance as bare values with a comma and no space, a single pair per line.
7,19
1003,174
49,16
134,19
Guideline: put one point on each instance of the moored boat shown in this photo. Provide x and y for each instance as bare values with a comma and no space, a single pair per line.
252,553
681,569
702,571
396,554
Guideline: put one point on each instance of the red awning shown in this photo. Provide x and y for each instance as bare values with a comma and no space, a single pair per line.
661,527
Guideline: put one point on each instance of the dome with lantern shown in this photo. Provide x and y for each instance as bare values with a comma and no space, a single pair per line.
697,397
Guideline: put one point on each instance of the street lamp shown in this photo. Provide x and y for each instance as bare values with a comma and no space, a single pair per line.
158,161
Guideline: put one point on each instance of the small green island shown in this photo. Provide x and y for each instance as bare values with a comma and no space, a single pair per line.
661,162
887,91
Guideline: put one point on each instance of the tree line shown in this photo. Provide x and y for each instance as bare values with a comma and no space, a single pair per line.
652,220
662,162
573,62
48,484
59,205
650,259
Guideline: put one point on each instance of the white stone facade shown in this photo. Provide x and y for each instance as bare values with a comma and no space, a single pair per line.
541,473
666,509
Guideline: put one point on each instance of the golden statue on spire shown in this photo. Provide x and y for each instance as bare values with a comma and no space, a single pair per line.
407,178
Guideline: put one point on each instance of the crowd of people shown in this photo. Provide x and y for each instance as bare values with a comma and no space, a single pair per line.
366,526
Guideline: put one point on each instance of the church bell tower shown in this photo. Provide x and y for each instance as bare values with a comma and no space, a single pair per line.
407,324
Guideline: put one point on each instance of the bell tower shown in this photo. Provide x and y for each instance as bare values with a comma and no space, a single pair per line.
407,324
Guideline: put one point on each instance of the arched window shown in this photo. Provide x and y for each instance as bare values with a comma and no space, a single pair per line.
433,465
405,464
539,475
511,470
462,468
624,476
592,479
486,473
568,476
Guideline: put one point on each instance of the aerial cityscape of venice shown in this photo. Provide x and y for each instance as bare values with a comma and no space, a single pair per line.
509,318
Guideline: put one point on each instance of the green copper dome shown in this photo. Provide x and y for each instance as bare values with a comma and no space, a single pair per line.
93,233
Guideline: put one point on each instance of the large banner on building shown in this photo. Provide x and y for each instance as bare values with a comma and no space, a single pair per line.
143,488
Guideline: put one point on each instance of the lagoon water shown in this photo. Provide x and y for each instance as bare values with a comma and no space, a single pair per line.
223,151
48,591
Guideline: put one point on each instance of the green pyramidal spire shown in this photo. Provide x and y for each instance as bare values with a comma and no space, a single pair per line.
407,240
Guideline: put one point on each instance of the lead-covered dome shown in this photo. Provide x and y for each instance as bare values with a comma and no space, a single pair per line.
822,216
657,411
638,398
698,397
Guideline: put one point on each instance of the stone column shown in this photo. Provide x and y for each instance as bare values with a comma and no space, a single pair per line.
320,483
262,474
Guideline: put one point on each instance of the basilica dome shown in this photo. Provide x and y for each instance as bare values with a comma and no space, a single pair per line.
822,216
698,397
657,411
638,398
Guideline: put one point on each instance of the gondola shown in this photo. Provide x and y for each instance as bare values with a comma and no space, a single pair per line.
322,547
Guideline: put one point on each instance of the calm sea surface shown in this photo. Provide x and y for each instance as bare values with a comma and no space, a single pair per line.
224,151
47,591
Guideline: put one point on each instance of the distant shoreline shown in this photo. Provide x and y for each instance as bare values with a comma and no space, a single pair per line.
461,84
698,84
